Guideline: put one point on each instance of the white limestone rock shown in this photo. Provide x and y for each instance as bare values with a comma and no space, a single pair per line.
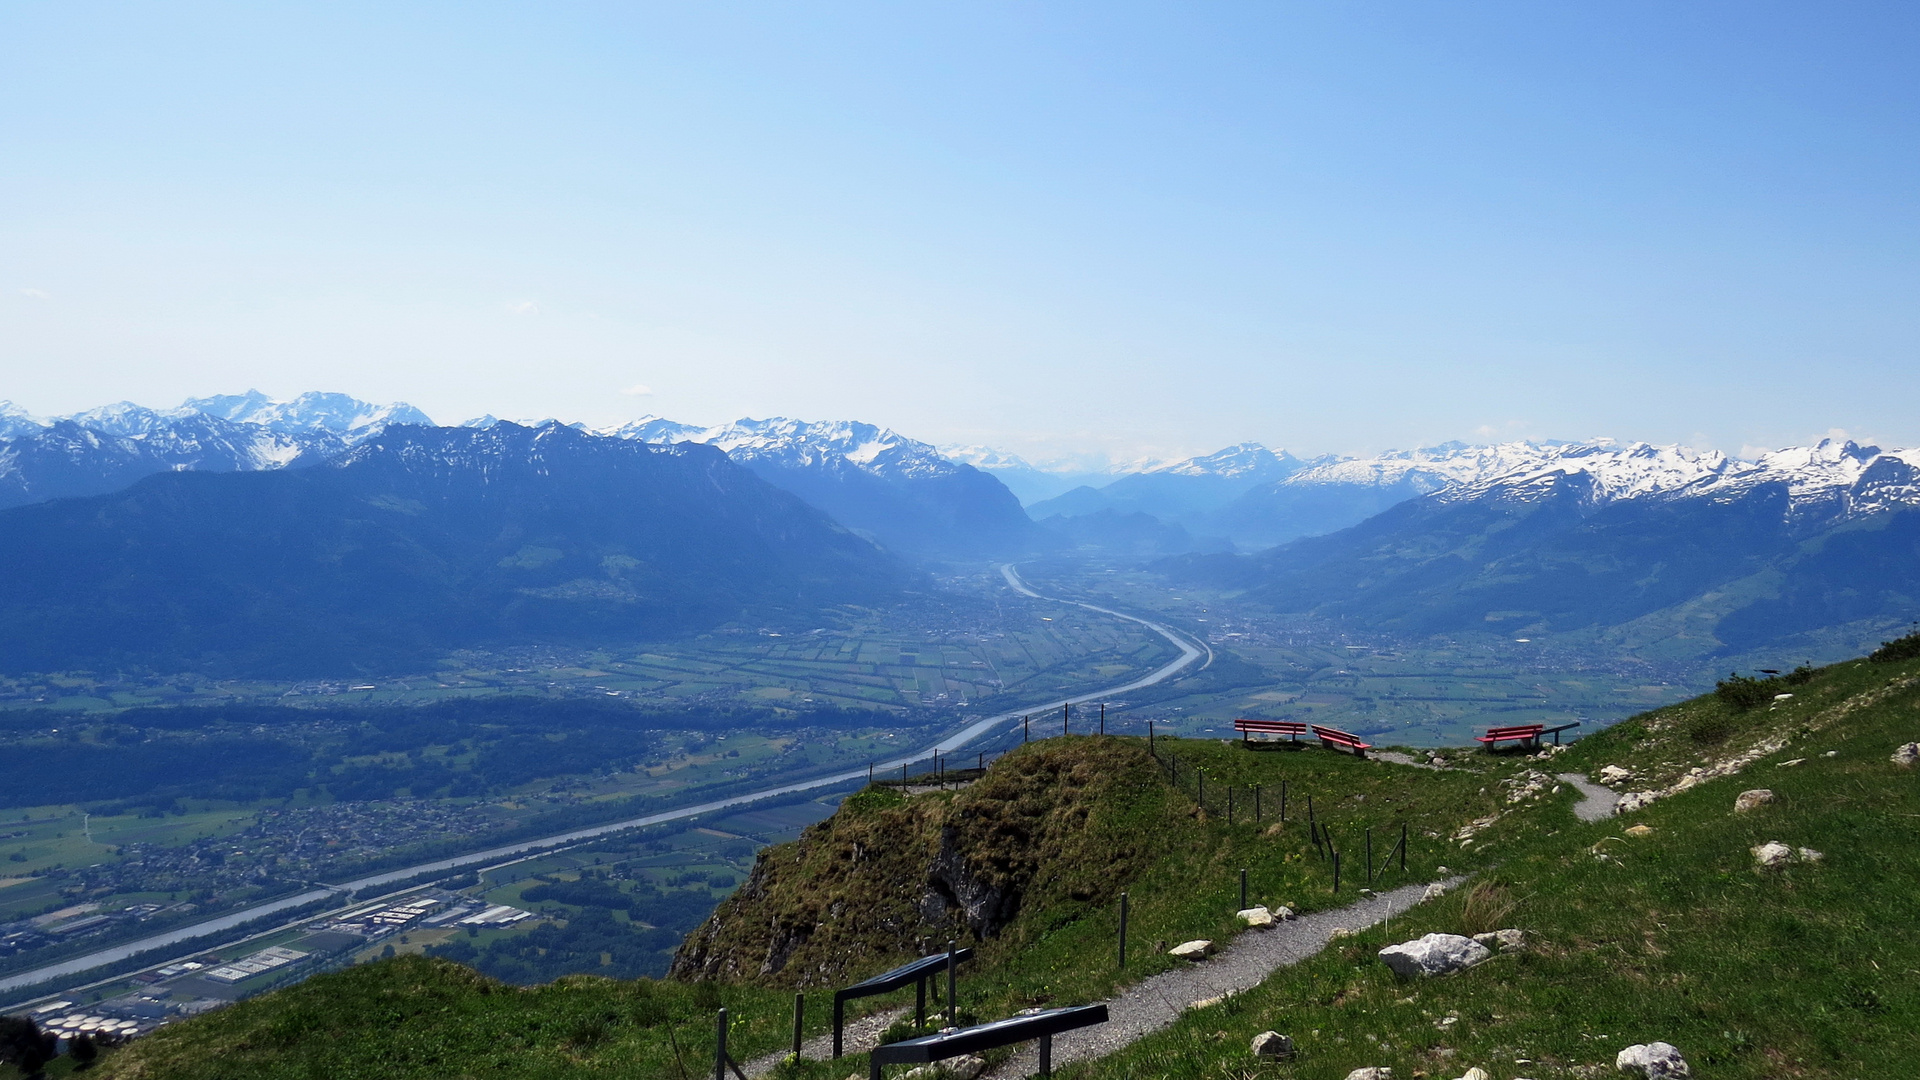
1435,954
1635,800
1272,1044
1907,755
1283,913
1752,800
964,1067
1655,1061
1615,774
1371,1072
1807,854
1192,950
1503,940
1772,854
1256,917
1434,892
1475,1073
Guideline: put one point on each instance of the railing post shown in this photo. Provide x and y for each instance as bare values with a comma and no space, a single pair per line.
1046,1055
1123,931
1369,856
1026,728
799,1022
839,1022
953,995
1103,720
1283,802
1066,710
920,1002
720,1047
1150,738
1243,888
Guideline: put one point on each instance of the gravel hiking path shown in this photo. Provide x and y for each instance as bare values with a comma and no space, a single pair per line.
861,1036
1596,803
1399,758
1148,1006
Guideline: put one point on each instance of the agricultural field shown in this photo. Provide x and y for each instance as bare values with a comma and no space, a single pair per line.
1416,691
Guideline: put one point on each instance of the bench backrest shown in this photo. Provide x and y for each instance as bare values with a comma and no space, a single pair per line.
1273,727
1516,730
1335,735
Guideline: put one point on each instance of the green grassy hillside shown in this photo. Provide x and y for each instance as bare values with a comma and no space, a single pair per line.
1808,970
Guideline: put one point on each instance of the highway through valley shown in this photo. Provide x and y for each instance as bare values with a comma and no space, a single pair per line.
1192,652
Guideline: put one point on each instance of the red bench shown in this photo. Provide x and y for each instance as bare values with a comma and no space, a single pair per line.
1336,739
1292,729
1525,734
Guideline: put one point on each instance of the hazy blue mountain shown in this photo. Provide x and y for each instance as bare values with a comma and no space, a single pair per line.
1704,550
417,541
1029,483
902,492
1182,491
66,459
106,448
1110,532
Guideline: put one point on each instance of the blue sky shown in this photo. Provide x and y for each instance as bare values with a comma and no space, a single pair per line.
1122,228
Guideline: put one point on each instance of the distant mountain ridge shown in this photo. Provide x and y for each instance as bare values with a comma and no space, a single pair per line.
1686,552
903,492
416,541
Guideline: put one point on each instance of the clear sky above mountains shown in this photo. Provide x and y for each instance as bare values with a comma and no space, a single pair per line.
1148,229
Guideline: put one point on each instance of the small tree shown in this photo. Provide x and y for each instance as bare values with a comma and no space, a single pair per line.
1743,692
82,1050
24,1046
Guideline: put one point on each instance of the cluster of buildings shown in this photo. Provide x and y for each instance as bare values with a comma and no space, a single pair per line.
263,961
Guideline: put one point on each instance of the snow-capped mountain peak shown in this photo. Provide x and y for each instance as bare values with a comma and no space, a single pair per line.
313,412
16,421
791,442
1249,460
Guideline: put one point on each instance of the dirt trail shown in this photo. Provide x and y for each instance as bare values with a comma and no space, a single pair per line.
1148,1006
1596,803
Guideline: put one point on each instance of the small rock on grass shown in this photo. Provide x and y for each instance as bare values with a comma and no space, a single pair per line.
1752,800
1907,755
1614,774
1371,1072
1192,950
1503,940
1434,954
1655,1061
1256,917
1475,1073
1272,1044
1638,831
1771,854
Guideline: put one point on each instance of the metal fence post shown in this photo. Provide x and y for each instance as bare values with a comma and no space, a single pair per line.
1065,711
953,995
799,1022
1103,720
720,1047
1243,888
1283,802
1123,931
1403,846
1026,728
1229,804
1369,856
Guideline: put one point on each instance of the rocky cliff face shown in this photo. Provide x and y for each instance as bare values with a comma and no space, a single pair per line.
1051,828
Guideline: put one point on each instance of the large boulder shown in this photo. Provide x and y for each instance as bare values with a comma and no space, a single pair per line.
1272,1044
1752,800
1435,954
1655,1061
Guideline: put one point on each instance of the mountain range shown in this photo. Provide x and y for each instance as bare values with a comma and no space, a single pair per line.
1684,552
415,541
903,493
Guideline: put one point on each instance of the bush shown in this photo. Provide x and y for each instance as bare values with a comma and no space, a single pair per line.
1744,692
1799,676
1902,648
1709,727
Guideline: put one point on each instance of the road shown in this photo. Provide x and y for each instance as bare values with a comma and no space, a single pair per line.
1191,651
